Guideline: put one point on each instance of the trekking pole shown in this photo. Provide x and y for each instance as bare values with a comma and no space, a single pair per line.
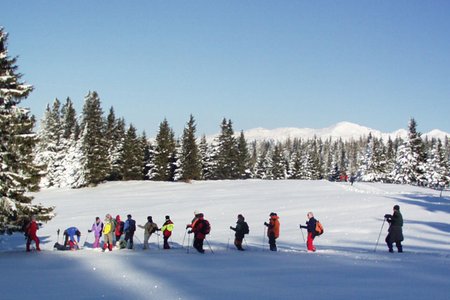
376,245
138,239
189,243
303,236
209,246
264,238
157,237
85,240
246,245
228,244
184,237
57,233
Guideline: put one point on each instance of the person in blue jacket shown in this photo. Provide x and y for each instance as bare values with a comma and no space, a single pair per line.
129,229
69,238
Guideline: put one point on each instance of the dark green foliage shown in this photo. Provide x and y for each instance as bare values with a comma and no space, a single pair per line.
190,156
164,153
133,156
94,143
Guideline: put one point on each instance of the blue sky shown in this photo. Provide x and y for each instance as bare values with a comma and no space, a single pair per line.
259,63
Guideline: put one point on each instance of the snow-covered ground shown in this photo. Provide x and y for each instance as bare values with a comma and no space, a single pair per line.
344,267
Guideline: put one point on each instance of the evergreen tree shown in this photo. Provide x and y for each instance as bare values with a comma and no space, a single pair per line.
278,163
94,144
148,153
206,161
243,158
133,156
115,136
409,164
69,123
227,153
190,159
437,172
18,173
164,153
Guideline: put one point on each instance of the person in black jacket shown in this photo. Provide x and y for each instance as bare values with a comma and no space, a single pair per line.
395,230
311,228
241,230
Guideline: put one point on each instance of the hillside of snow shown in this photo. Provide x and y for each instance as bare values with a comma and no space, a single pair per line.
343,130
344,267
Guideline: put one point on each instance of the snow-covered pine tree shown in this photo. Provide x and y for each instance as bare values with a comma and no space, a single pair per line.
190,159
115,136
243,158
164,153
227,153
18,173
147,164
49,151
133,156
207,162
278,163
436,170
409,163
94,144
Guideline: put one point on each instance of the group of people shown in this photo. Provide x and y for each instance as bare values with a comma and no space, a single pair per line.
112,231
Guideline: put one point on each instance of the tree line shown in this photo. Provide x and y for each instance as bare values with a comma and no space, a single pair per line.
94,149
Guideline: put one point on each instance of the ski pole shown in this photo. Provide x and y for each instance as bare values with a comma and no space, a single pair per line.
303,236
184,237
228,244
376,245
189,243
209,246
264,238
245,241
85,240
57,232
157,237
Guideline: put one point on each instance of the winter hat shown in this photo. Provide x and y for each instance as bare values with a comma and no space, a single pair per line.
150,219
167,217
272,214
129,216
396,207
241,217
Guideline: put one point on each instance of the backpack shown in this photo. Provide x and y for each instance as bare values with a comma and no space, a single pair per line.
246,229
319,228
206,228
132,225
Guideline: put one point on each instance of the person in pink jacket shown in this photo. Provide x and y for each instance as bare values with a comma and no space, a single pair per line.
97,228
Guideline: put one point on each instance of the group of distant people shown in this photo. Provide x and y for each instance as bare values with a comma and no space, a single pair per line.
113,230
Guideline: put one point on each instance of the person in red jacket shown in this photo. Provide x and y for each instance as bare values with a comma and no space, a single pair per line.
200,227
273,230
31,230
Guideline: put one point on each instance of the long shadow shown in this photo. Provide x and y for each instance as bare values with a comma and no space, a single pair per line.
428,202
443,227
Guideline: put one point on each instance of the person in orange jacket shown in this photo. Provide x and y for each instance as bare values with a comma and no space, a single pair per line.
30,231
273,230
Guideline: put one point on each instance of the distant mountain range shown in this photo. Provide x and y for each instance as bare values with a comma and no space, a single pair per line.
344,130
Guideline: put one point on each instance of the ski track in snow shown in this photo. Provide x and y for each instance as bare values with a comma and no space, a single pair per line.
344,267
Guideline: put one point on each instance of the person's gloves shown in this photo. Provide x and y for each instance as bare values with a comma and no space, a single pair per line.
190,231
89,231
265,223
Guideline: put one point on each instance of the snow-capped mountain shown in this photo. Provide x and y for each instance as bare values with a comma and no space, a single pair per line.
343,130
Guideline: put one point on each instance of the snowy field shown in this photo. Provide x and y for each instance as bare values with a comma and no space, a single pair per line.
344,267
